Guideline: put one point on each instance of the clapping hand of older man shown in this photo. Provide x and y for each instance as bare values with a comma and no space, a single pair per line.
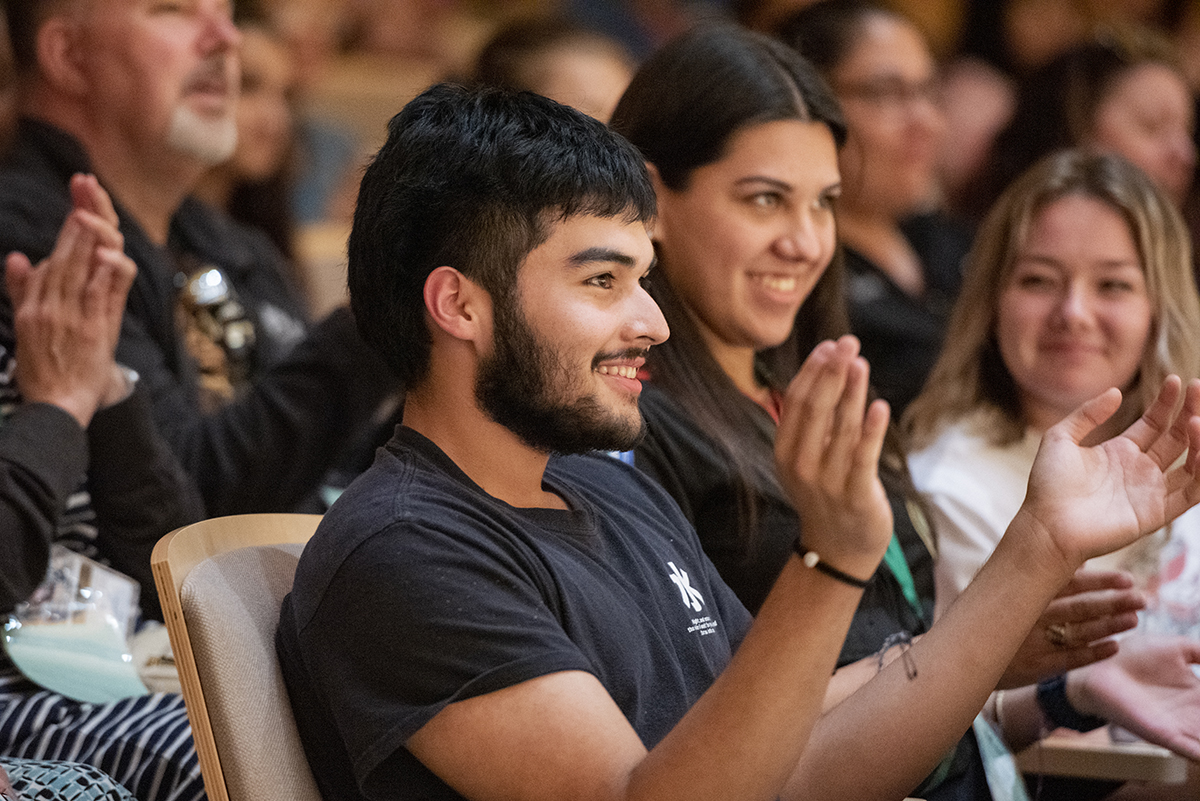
67,310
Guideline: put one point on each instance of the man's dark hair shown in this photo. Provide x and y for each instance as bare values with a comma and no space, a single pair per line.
474,179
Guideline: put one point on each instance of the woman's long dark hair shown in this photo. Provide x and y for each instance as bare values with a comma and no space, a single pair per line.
680,111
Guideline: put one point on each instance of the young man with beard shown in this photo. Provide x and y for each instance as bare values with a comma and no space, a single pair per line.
492,611
142,93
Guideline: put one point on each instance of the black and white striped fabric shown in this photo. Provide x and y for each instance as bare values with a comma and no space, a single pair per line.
144,743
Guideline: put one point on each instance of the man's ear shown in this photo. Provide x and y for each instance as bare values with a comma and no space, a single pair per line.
60,54
458,305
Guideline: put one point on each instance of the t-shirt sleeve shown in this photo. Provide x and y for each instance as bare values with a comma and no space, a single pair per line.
418,617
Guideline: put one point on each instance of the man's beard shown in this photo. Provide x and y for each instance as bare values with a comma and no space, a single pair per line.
521,385
209,141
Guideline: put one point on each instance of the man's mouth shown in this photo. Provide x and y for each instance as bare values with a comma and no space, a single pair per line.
622,370
210,79
622,364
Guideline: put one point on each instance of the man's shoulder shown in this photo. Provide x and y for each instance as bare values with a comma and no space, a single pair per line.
373,504
413,485
416,494
381,496
27,185
406,488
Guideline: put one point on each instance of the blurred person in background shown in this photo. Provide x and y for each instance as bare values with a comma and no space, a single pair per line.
327,152
256,404
1018,37
903,256
977,102
1079,281
81,465
559,60
254,186
1122,94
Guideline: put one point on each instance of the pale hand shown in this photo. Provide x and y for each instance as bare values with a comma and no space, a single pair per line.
67,311
1148,688
1093,500
827,457
6,788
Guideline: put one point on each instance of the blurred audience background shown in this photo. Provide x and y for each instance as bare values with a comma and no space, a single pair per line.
903,254
562,60
324,76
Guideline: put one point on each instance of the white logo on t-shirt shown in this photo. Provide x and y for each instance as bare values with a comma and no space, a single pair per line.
691,596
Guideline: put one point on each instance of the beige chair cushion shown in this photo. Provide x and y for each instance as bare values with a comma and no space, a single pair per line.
231,605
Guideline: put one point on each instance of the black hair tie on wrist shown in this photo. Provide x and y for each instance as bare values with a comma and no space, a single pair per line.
811,559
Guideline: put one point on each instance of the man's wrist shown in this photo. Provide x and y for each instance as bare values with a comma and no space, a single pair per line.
1038,551
121,383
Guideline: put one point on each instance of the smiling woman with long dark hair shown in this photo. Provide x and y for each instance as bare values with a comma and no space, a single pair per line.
741,137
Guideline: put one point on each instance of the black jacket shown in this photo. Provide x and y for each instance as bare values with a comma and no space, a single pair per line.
266,450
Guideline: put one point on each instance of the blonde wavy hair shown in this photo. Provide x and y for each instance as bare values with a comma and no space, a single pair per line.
970,377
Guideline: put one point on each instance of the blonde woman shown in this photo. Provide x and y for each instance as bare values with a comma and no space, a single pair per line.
1080,280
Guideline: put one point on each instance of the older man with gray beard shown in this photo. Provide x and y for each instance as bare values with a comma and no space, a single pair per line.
255,402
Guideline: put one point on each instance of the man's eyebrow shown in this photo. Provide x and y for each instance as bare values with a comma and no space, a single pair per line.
601,254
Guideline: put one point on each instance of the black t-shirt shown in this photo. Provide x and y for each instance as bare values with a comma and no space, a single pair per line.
419,590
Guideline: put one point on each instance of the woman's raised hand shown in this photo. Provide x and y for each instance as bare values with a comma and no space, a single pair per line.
827,456
1149,688
1093,500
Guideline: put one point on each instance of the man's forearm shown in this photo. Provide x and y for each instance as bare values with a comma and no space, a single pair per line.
895,729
